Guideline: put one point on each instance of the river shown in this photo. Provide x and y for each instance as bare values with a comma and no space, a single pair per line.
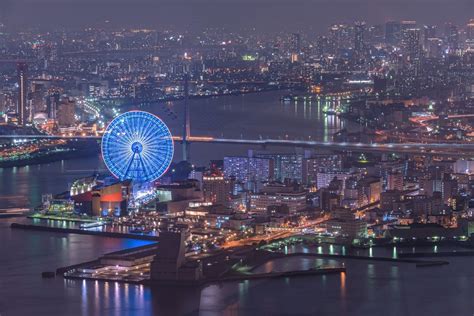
247,116
368,288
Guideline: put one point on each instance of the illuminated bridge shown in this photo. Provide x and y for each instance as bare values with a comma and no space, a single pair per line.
434,149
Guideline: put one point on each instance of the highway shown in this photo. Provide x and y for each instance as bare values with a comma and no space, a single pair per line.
275,234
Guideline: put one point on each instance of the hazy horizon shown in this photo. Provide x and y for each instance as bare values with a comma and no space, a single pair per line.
277,15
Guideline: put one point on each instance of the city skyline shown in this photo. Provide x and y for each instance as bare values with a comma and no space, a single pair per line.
241,157
305,15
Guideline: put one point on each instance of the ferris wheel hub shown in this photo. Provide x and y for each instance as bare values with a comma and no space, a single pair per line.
137,147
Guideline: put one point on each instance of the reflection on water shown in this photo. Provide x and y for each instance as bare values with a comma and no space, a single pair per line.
23,186
367,288
254,115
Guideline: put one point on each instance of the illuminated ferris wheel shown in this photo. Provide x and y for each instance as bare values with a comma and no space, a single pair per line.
137,145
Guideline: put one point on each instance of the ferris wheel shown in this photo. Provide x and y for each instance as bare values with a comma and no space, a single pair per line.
137,145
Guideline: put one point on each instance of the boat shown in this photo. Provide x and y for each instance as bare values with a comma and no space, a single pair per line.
330,112
287,98
92,225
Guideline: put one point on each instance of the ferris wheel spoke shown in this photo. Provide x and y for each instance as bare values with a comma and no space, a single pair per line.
149,135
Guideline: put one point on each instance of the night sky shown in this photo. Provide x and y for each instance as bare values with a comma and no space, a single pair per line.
286,15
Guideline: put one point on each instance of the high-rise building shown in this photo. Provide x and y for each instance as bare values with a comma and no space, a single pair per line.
407,24
470,30
392,32
434,47
66,113
429,32
286,166
412,48
394,181
452,37
359,39
319,163
22,69
37,99
216,188
340,36
324,177
246,169
369,190
296,43
52,102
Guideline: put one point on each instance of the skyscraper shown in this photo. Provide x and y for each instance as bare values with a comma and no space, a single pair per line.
470,29
22,93
296,45
429,32
359,45
412,48
216,188
392,32
452,37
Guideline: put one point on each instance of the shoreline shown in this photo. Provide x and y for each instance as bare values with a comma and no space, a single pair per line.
81,232
74,153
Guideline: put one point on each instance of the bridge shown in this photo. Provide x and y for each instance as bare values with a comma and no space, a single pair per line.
430,149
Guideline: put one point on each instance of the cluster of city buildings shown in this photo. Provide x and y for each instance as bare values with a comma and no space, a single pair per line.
341,195
65,77
73,82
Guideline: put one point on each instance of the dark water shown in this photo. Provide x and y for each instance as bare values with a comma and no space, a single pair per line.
23,186
252,116
367,288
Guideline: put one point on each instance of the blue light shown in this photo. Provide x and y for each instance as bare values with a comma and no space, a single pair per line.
137,145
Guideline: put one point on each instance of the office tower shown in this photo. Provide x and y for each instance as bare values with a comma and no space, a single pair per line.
340,37
22,69
406,25
452,37
66,113
412,49
434,48
368,191
216,188
37,98
394,181
296,43
322,45
429,32
392,32
470,30
359,39
52,102
375,34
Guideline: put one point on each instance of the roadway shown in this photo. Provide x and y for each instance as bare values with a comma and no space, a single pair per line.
273,235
